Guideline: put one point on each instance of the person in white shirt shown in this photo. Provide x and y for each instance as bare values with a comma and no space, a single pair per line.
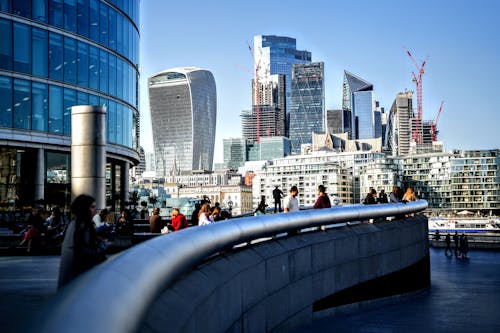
291,203
100,219
204,217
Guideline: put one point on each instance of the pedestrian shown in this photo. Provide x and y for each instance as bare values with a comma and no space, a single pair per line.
194,214
35,229
261,208
144,210
455,241
382,197
447,240
409,195
178,220
81,249
371,197
204,217
54,226
155,223
291,203
100,219
323,201
277,195
393,197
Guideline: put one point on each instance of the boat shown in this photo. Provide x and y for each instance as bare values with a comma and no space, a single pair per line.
490,224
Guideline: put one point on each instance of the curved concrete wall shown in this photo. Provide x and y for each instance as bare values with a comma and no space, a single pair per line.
272,286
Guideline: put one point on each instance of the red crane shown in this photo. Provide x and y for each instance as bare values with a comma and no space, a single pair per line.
417,78
434,130
256,89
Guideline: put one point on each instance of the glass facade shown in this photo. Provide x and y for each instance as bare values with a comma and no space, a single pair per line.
307,108
55,54
183,105
356,91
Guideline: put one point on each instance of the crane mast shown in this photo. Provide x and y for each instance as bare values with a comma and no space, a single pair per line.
417,134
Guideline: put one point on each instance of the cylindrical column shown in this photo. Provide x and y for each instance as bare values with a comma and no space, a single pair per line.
88,152
39,175
124,179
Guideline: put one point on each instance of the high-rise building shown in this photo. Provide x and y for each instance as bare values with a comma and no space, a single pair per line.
274,147
276,55
399,127
55,55
307,104
183,105
335,121
235,152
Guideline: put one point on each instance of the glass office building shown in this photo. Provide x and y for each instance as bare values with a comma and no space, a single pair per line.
307,105
357,95
183,103
55,54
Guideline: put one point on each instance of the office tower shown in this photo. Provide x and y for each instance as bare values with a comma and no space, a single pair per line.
52,57
400,124
335,121
307,111
235,152
274,147
357,98
276,55
183,105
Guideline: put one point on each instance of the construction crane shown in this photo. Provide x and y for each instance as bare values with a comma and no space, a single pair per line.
417,78
256,90
434,130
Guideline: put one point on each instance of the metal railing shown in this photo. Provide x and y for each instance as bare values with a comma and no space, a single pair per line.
114,296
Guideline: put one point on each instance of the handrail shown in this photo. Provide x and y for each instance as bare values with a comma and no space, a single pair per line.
114,296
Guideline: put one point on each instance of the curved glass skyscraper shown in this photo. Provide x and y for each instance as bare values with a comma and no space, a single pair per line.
183,103
55,54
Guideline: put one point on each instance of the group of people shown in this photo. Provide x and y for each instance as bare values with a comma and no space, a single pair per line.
461,247
291,202
39,230
177,222
397,195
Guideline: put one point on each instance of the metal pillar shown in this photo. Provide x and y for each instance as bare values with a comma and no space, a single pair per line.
124,178
39,175
88,152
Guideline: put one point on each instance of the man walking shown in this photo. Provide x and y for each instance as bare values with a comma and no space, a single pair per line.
277,195
291,203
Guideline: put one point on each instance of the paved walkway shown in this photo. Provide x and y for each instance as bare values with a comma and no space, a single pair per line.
464,297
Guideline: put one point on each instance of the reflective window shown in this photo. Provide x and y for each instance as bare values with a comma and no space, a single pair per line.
125,81
40,96
93,67
94,20
6,44
70,15
111,121
69,101
83,64
56,13
119,78
58,167
128,130
22,104
5,101
39,60
83,17
112,74
103,20
69,60
126,30
119,34
93,100
119,123
55,109
40,10
5,6
21,8
22,43
55,56
112,29
103,71
82,98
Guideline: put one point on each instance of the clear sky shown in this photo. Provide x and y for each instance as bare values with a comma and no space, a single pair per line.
366,37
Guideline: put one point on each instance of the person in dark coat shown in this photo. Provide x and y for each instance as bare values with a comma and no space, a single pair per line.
277,195
155,223
447,240
81,249
455,241
382,197
323,201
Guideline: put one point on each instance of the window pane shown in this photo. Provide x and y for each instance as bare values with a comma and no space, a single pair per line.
56,13
69,101
55,109
103,20
119,78
39,60
119,34
40,106
70,15
112,74
55,56
82,98
6,44
112,29
93,100
22,43
94,67
94,20
5,101
69,60
22,104
126,29
111,121
83,64
21,8
5,6
83,17
125,81
103,71
119,124
40,10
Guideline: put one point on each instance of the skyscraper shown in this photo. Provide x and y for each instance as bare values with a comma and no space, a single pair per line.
235,152
183,104
307,104
400,124
54,55
276,55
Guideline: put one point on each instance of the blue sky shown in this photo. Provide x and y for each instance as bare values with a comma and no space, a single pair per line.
460,37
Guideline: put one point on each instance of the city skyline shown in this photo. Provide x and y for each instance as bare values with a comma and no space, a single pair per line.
456,36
